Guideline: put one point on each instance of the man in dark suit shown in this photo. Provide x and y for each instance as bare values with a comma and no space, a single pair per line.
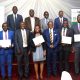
76,45
14,19
65,49
58,22
6,52
22,45
31,21
52,38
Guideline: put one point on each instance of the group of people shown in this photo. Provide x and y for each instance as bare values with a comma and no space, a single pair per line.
21,33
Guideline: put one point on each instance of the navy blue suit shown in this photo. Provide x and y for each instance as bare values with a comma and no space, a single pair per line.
6,55
57,24
51,52
14,25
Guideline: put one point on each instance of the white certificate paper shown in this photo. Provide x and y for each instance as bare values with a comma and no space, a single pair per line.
38,40
77,38
66,40
5,43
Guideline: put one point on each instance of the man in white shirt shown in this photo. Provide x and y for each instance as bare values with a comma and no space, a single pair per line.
22,45
32,21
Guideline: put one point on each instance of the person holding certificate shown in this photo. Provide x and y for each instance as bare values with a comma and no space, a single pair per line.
39,51
76,44
22,45
65,48
52,38
6,52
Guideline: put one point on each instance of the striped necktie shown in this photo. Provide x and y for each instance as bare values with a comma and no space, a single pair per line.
51,37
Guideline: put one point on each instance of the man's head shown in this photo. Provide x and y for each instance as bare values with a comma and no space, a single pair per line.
22,25
61,13
46,14
50,24
14,9
78,18
5,26
65,23
31,13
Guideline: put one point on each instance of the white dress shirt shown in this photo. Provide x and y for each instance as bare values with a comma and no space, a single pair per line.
14,16
32,23
61,20
5,35
64,32
51,32
24,37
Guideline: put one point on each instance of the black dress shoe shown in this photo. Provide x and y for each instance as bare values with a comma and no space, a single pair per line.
9,78
54,74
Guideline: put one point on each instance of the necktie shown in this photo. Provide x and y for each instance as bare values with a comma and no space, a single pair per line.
51,37
61,21
5,35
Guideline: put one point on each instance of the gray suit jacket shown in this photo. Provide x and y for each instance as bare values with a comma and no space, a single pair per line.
43,24
19,40
75,31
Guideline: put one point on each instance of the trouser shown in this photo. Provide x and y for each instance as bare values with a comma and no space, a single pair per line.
23,58
6,58
51,61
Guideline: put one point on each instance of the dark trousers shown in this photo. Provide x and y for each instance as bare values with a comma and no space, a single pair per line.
6,58
23,58
64,57
51,61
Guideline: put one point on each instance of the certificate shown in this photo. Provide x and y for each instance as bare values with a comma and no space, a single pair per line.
77,38
66,40
5,43
38,40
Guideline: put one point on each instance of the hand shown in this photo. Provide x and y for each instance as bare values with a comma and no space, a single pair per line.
19,52
51,46
0,46
44,53
72,50
63,44
29,53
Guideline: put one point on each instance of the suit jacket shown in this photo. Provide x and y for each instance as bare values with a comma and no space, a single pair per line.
75,31
69,33
14,25
43,24
57,24
11,37
19,40
28,22
56,38
33,47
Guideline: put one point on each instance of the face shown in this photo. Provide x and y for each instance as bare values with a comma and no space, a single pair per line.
5,27
78,19
61,14
31,13
50,25
22,25
14,9
46,14
37,29
65,24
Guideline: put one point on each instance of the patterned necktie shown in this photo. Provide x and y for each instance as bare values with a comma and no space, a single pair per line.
61,21
51,37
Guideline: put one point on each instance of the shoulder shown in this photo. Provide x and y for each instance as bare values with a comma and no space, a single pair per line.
9,15
37,18
56,18
19,15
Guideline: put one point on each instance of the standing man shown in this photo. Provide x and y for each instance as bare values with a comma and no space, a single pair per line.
22,45
6,52
32,21
44,21
14,19
52,38
76,45
58,22
65,49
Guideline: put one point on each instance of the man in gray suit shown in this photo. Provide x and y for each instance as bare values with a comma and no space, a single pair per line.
44,21
76,45
22,42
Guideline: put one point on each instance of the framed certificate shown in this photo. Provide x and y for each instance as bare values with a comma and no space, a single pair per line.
77,38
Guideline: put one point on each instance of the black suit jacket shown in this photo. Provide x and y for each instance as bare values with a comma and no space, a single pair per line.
19,40
33,47
28,22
